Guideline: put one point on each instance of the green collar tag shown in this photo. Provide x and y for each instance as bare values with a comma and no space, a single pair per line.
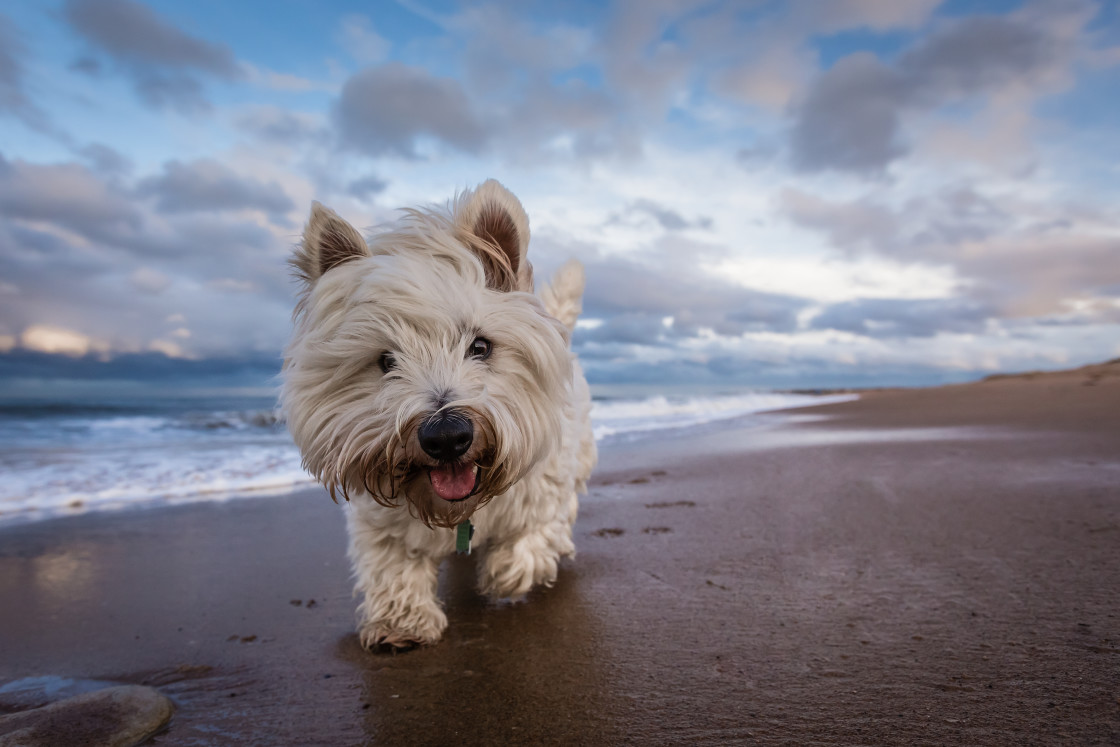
463,534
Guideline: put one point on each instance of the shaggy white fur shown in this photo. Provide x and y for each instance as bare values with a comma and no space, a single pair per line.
431,328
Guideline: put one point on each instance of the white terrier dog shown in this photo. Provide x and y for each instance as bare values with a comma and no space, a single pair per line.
428,385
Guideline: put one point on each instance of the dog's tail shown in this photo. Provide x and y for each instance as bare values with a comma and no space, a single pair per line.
563,297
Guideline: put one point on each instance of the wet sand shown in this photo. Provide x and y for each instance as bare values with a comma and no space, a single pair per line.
936,566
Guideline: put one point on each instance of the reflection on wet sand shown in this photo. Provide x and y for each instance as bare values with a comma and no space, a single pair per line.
515,673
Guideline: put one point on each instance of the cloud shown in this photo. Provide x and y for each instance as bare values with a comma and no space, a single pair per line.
849,120
86,65
1032,274
538,86
45,338
1016,258
979,54
929,226
81,250
104,159
366,187
388,109
526,89
852,117
14,100
877,15
12,97
895,317
769,76
207,185
770,58
162,60
148,280
67,194
564,120
180,92
642,65
282,126
667,218
642,296
361,41
261,76
851,226
625,328
130,31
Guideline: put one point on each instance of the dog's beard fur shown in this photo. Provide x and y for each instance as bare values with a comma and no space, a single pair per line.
422,293
399,471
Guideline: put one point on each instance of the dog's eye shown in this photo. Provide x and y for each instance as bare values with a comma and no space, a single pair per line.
480,348
387,362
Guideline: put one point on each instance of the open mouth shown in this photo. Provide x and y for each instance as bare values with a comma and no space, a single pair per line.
454,482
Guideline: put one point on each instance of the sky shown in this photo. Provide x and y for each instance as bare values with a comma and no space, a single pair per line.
805,193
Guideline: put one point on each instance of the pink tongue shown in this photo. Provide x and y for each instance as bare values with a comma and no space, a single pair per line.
453,482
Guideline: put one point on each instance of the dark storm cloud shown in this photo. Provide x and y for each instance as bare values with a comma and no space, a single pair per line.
162,60
893,318
386,109
851,117
207,185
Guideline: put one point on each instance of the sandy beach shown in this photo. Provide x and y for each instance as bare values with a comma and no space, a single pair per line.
931,566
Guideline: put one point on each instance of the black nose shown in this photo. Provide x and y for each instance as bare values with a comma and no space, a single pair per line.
446,436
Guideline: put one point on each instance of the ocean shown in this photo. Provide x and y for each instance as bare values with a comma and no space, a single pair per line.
65,457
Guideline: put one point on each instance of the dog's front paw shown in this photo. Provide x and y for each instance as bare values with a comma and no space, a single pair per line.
510,571
416,627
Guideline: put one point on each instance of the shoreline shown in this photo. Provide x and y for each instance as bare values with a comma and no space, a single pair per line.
612,440
833,589
73,459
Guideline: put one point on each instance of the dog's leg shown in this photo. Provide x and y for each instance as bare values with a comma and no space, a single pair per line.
398,587
514,565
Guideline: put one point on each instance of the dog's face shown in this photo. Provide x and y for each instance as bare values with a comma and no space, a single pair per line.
422,370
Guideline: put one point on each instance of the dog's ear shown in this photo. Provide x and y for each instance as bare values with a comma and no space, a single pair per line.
328,241
496,229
